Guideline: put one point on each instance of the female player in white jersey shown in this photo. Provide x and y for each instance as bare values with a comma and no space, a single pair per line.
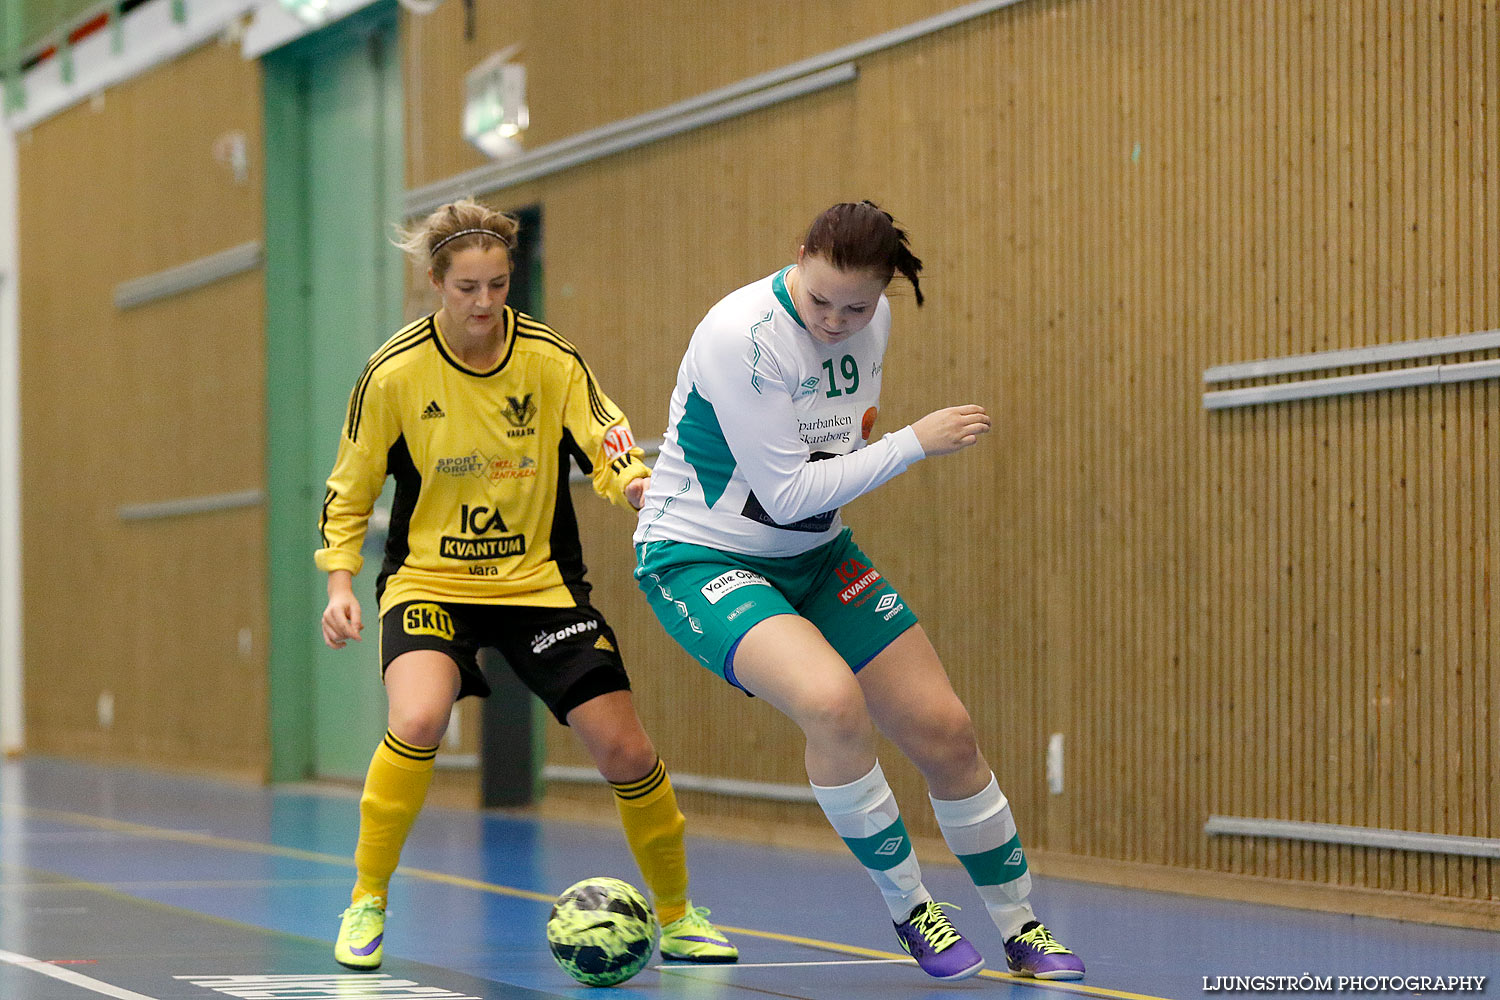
742,555
475,411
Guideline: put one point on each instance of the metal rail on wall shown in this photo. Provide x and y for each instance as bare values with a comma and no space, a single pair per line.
1354,836
1358,357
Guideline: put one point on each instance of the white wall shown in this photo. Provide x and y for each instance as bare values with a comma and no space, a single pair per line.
12,727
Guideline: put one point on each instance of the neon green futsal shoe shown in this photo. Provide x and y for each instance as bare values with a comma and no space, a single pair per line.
361,935
691,938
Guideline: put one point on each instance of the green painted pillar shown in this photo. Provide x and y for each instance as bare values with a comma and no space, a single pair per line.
334,177
12,40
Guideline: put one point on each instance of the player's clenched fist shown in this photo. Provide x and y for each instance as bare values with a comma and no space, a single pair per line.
944,431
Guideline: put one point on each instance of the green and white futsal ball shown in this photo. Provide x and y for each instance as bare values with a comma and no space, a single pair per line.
602,931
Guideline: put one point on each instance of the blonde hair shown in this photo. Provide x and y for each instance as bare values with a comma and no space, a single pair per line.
459,225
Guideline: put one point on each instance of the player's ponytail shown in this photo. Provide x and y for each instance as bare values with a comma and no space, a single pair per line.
862,236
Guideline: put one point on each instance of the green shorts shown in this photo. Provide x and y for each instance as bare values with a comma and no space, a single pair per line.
708,599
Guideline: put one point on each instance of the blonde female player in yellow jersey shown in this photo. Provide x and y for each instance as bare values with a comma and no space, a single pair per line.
475,411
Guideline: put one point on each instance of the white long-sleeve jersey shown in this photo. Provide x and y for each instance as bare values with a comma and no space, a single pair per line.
769,429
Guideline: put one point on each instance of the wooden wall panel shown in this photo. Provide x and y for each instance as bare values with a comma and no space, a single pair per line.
1281,612
159,402
589,63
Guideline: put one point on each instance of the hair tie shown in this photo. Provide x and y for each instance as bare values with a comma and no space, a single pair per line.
467,232
888,217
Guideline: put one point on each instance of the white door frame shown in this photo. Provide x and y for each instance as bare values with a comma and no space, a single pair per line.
12,677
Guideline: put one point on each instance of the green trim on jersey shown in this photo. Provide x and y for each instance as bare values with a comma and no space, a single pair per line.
755,359
784,296
703,445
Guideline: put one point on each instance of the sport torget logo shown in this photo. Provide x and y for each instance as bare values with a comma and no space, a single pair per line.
479,465
472,464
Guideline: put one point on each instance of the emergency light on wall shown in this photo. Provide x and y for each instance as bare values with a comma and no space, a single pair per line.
495,111
311,11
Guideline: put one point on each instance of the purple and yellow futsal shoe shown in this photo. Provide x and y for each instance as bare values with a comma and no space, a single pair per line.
361,941
940,950
1036,953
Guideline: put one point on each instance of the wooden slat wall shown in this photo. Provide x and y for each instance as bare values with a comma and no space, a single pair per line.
589,63
159,402
1279,612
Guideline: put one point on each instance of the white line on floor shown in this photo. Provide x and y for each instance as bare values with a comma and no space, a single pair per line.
69,976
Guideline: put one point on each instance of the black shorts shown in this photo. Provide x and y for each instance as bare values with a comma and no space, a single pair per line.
566,656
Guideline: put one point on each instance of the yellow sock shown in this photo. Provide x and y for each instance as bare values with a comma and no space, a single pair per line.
395,788
653,829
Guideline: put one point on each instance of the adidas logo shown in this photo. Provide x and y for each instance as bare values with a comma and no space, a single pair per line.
604,644
433,410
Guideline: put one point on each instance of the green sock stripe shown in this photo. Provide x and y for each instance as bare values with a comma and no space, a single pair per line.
884,850
1005,863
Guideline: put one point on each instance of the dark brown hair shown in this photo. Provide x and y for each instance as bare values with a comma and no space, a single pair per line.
861,235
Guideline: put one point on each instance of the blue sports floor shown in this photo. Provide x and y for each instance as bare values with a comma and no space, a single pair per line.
136,886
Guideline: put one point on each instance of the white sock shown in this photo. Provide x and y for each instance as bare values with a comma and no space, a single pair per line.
865,814
980,830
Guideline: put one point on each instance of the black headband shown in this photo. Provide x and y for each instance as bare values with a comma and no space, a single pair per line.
468,232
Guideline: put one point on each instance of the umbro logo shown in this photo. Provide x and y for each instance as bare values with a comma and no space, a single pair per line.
433,410
891,846
886,600
1016,857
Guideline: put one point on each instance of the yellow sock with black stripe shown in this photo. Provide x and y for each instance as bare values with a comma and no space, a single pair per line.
653,829
395,788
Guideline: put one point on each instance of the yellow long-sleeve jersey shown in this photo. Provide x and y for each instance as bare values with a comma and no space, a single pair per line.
482,511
